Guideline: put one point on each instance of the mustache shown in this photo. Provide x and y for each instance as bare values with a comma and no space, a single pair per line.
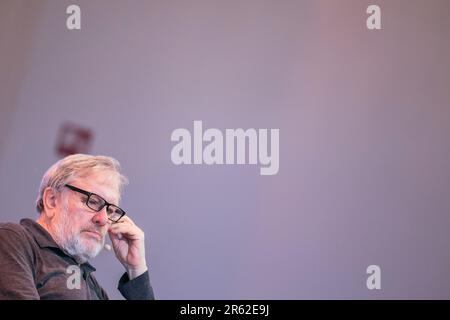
99,231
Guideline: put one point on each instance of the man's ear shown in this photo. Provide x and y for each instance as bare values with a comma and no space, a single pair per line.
51,202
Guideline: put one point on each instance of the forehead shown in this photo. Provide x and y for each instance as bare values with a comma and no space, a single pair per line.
102,183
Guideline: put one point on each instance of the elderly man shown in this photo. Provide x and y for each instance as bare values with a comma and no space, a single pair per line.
78,205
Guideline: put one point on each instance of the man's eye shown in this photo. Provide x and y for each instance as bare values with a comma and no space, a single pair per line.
94,202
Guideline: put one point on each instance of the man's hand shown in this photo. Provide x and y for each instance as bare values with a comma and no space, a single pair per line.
129,246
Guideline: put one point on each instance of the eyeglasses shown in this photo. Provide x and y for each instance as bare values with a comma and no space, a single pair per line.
97,203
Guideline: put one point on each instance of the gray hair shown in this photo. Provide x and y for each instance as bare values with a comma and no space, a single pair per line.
76,166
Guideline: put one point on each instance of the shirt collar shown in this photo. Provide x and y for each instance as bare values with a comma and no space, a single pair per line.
42,237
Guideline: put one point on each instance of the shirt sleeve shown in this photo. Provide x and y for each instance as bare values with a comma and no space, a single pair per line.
137,289
16,267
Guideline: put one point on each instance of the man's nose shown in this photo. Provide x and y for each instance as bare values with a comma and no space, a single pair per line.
101,217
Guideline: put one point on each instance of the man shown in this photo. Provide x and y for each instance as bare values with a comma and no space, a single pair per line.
78,205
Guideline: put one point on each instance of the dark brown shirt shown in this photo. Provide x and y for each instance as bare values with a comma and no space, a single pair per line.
32,266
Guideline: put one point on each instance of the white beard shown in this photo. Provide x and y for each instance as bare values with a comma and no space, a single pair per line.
73,243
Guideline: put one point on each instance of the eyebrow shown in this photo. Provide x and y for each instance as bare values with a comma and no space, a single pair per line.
104,198
86,192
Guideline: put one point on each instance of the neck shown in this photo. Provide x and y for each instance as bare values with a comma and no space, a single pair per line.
43,223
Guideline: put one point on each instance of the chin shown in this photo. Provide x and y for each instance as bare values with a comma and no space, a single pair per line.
91,248
86,255
86,249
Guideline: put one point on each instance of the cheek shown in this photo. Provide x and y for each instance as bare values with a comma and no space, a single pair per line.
79,219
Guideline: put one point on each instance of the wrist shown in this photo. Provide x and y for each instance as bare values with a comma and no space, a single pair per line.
136,272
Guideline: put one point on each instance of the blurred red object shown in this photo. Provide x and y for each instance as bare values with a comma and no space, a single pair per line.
72,139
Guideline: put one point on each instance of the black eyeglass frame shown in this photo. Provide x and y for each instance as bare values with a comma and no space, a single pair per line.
89,194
